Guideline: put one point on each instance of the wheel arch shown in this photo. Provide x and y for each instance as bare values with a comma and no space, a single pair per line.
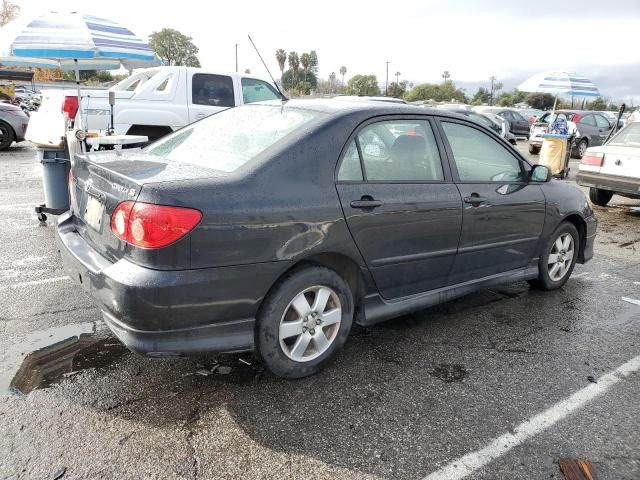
156,131
340,263
577,221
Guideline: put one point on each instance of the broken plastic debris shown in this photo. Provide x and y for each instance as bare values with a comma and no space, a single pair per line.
242,360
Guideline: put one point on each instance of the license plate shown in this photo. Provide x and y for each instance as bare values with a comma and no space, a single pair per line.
93,213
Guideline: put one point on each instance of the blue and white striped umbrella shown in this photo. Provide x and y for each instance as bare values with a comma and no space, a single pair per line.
73,41
560,83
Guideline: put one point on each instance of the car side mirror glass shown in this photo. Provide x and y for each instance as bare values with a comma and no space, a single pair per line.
540,173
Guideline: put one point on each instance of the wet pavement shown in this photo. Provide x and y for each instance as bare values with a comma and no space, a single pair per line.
402,400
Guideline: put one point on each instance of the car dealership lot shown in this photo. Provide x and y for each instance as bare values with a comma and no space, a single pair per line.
403,399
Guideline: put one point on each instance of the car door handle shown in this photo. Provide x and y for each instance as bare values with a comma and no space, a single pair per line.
201,114
366,202
475,199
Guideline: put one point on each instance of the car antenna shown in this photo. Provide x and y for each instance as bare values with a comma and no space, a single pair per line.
282,95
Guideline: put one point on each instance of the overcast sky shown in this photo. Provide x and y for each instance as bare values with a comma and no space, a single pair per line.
472,39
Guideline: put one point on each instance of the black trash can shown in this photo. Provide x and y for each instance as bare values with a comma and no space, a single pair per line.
55,171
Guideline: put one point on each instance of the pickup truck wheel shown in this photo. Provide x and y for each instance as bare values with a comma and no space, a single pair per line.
600,197
6,135
534,149
558,258
304,321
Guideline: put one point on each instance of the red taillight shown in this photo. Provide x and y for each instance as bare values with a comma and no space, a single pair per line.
146,225
593,159
70,107
575,118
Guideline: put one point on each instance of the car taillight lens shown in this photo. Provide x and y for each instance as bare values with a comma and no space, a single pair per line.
147,225
593,159
70,107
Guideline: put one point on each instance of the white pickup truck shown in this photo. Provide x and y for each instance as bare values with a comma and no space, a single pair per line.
156,101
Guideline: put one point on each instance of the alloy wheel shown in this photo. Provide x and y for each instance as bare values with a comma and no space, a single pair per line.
561,257
310,323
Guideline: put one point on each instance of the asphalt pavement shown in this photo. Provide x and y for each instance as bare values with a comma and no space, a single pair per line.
502,383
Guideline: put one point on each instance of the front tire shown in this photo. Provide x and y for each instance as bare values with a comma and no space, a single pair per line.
6,136
600,197
304,321
558,258
534,149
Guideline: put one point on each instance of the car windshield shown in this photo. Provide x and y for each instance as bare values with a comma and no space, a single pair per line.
227,140
627,137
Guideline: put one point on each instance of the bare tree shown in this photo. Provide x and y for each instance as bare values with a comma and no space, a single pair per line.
8,11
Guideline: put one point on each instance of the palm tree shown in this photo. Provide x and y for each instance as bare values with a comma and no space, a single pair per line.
294,63
446,75
281,57
305,61
343,70
332,81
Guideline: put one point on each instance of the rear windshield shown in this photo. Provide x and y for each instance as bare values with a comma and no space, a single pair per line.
229,139
627,137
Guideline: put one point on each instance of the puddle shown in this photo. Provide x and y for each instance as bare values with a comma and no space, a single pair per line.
449,373
45,357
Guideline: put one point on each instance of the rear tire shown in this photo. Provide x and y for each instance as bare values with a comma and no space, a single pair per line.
600,197
295,343
558,258
581,147
534,149
6,135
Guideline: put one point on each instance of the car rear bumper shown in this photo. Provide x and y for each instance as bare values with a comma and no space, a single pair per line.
613,183
170,312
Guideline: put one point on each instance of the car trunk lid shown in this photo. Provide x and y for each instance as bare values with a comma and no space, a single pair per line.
103,180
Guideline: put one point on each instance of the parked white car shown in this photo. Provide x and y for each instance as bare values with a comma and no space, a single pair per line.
613,168
157,101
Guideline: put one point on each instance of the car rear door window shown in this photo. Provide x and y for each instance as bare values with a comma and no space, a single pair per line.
400,150
351,168
479,158
214,90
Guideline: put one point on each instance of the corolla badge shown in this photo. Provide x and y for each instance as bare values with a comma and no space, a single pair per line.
122,189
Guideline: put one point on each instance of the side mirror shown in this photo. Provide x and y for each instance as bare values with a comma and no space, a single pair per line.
541,173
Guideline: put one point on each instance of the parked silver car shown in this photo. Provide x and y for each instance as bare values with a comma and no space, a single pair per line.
13,124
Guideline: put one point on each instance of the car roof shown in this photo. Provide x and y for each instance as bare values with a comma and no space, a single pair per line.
343,106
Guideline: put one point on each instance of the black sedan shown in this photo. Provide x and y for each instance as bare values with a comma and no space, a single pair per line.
275,226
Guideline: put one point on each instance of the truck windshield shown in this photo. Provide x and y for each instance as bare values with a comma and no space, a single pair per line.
227,140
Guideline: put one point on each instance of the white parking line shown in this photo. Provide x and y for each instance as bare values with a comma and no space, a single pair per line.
34,282
631,300
471,462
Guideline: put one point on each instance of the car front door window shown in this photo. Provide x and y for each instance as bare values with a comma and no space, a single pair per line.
254,90
479,158
403,150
